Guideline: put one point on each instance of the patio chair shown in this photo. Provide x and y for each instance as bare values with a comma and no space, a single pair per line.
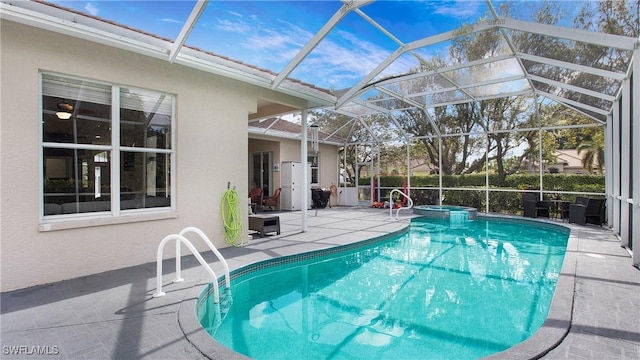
564,210
255,194
272,200
533,207
587,211
320,198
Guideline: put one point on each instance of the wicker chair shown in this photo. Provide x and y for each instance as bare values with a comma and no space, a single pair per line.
272,201
587,211
255,194
533,207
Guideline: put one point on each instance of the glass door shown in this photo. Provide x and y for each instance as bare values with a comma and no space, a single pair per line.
364,171
260,174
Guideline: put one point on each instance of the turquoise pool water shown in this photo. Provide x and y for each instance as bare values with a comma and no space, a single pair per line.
436,292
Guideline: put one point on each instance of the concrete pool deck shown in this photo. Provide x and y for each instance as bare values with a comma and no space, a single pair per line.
112,315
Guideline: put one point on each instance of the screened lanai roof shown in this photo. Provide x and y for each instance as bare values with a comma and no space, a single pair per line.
354,59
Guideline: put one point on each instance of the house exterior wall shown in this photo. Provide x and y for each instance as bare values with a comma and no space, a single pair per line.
32,253
328,165
290,151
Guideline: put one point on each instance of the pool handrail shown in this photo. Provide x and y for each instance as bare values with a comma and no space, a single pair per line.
409,202
180,238
215,251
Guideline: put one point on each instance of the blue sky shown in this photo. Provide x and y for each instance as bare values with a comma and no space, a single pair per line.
268,34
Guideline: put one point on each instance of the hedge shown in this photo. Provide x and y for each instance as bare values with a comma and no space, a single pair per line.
552,182
499,201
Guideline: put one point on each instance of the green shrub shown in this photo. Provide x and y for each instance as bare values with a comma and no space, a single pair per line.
499,201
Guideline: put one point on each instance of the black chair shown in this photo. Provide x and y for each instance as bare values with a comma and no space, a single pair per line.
564,210
587,211
320,198
533,207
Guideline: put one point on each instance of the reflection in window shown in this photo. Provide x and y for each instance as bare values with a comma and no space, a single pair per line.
78,147
75,181
314,161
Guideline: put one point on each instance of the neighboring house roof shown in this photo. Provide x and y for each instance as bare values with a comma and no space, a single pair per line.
287,129
568,157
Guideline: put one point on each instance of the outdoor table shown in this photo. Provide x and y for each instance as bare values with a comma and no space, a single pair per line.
264,224
557,207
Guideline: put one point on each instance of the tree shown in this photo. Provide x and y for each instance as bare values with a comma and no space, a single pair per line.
593,155
348,130
465,148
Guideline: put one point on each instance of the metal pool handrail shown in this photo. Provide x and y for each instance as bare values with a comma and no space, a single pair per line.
409,202
210,245
180,238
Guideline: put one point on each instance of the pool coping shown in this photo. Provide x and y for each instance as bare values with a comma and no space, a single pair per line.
558,322
551,333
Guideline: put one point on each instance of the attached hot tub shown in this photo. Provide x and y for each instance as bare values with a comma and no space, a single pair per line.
447,212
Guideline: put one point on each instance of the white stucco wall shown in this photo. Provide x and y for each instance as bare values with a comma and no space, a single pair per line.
290,151
211,135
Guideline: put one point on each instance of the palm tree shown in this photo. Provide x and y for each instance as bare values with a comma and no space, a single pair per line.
593,155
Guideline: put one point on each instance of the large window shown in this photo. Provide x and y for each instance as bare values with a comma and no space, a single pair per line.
105,148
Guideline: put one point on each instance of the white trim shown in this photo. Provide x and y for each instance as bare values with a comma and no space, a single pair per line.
115,153
584,36
634,103
139,215
197,10
46,17
615,169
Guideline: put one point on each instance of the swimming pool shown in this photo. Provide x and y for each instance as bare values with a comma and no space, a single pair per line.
433,292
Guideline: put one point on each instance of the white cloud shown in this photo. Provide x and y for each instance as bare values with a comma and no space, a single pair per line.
238,27
346,59
460,9
341,59
171,21
92,8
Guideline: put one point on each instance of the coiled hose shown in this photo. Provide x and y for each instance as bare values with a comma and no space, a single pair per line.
231,218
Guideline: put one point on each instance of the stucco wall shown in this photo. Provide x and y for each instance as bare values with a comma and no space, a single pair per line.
211,135
290,151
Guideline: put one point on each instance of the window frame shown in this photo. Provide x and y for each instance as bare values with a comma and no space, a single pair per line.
310,157
115,214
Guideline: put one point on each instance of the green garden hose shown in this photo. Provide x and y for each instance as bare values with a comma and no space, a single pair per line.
231,218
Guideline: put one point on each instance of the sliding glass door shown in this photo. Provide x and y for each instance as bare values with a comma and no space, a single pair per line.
260,174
